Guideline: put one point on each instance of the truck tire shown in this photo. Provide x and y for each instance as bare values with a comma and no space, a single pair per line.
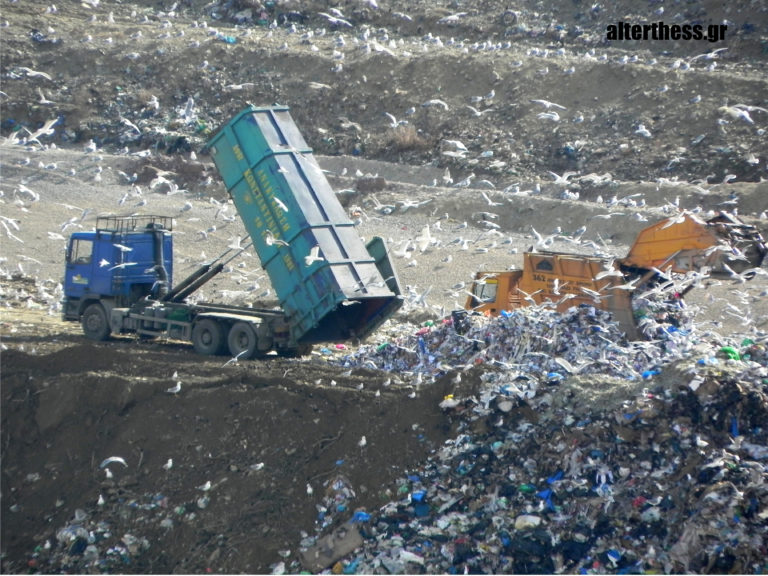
208,337
242,340
509,18
95,323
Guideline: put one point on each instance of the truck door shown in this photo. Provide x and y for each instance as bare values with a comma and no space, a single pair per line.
80,267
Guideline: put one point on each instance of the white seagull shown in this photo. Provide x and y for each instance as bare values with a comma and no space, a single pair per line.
270,239
458,144
643,131
466,182
562,179
554,116
394,122
477,113
113,459
239,86
130,124
34,73
547,104
708,55
435,102
175,389
313,256
281,204
736,113
335,20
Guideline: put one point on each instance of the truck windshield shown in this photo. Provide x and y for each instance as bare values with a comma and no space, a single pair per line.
486,291
80,251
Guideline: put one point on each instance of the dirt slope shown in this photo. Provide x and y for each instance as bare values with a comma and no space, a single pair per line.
259,432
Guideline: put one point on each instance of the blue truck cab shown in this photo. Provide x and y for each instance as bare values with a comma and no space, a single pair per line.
122,261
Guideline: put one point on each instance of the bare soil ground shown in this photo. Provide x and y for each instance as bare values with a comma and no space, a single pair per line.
70,404
259,432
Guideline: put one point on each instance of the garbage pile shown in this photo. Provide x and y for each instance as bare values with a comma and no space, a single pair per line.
671,478
89,543
674,480
537,341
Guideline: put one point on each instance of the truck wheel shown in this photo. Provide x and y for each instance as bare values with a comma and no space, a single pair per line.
242,340
94,322
208,337
509,18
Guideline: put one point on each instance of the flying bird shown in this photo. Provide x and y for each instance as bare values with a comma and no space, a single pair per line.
736,113
46,130
477,113
466,182
435,102
235,243
562,179
281,204
394,122
130,124
313,256
123,265
547,104
489,201
112,460
458,144
43,99
234,359
335,20
643,131
34,73
708,55
554,116
270,239
35,197
239,86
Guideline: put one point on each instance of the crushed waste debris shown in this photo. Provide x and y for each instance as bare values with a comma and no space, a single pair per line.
668,478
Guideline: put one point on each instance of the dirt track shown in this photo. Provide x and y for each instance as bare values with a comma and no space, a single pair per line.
67,404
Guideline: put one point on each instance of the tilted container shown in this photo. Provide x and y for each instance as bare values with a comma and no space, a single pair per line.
288,207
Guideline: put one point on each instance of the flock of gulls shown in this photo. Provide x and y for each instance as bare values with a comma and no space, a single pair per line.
343,39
